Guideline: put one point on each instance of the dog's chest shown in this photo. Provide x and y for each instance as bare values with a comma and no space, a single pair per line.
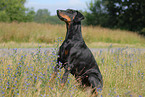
65,49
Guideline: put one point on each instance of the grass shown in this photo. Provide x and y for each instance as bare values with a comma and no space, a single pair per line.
45,45
24,74
27,74
25,33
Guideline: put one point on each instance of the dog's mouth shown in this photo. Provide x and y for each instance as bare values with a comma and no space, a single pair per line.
58,14
58,11
61,14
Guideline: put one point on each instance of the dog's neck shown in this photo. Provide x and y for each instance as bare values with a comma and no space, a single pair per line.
74,31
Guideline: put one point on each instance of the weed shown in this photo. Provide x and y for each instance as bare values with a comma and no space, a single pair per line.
27,74
46,33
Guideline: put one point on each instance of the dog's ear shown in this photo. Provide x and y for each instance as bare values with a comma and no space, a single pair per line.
78,17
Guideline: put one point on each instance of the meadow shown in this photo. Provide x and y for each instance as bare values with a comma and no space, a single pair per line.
27,73
20,35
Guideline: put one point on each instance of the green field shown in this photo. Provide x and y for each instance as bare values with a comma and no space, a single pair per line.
19,35
28,74
24,74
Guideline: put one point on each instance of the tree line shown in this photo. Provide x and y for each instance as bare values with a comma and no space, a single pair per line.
14,10
122,14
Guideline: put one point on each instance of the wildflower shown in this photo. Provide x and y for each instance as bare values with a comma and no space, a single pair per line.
35,77
102,60
99,89
8,83
68,81
31,74
27,83
8,68
130,95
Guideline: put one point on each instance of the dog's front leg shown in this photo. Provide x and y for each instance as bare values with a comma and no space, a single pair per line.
65,75
64,78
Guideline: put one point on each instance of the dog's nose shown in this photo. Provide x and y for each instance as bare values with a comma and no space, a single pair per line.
58,11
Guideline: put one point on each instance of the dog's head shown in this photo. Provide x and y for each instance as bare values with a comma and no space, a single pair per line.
70,15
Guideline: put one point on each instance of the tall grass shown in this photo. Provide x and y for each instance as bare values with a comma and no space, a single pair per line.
27,74
29,32
46,33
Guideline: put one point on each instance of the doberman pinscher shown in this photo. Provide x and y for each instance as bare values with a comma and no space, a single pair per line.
74,54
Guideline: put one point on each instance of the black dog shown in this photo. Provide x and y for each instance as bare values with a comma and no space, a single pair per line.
74,54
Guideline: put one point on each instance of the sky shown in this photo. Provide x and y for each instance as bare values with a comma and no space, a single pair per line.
53,5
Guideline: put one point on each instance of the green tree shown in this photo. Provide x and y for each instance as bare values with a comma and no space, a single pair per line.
54,20
42,16
124,14
30,14
97,14
14,10
128,14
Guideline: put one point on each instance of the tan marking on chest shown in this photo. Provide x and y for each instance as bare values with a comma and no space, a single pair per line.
66,52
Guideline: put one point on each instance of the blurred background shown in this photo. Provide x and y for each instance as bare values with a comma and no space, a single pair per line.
27,23
122,14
